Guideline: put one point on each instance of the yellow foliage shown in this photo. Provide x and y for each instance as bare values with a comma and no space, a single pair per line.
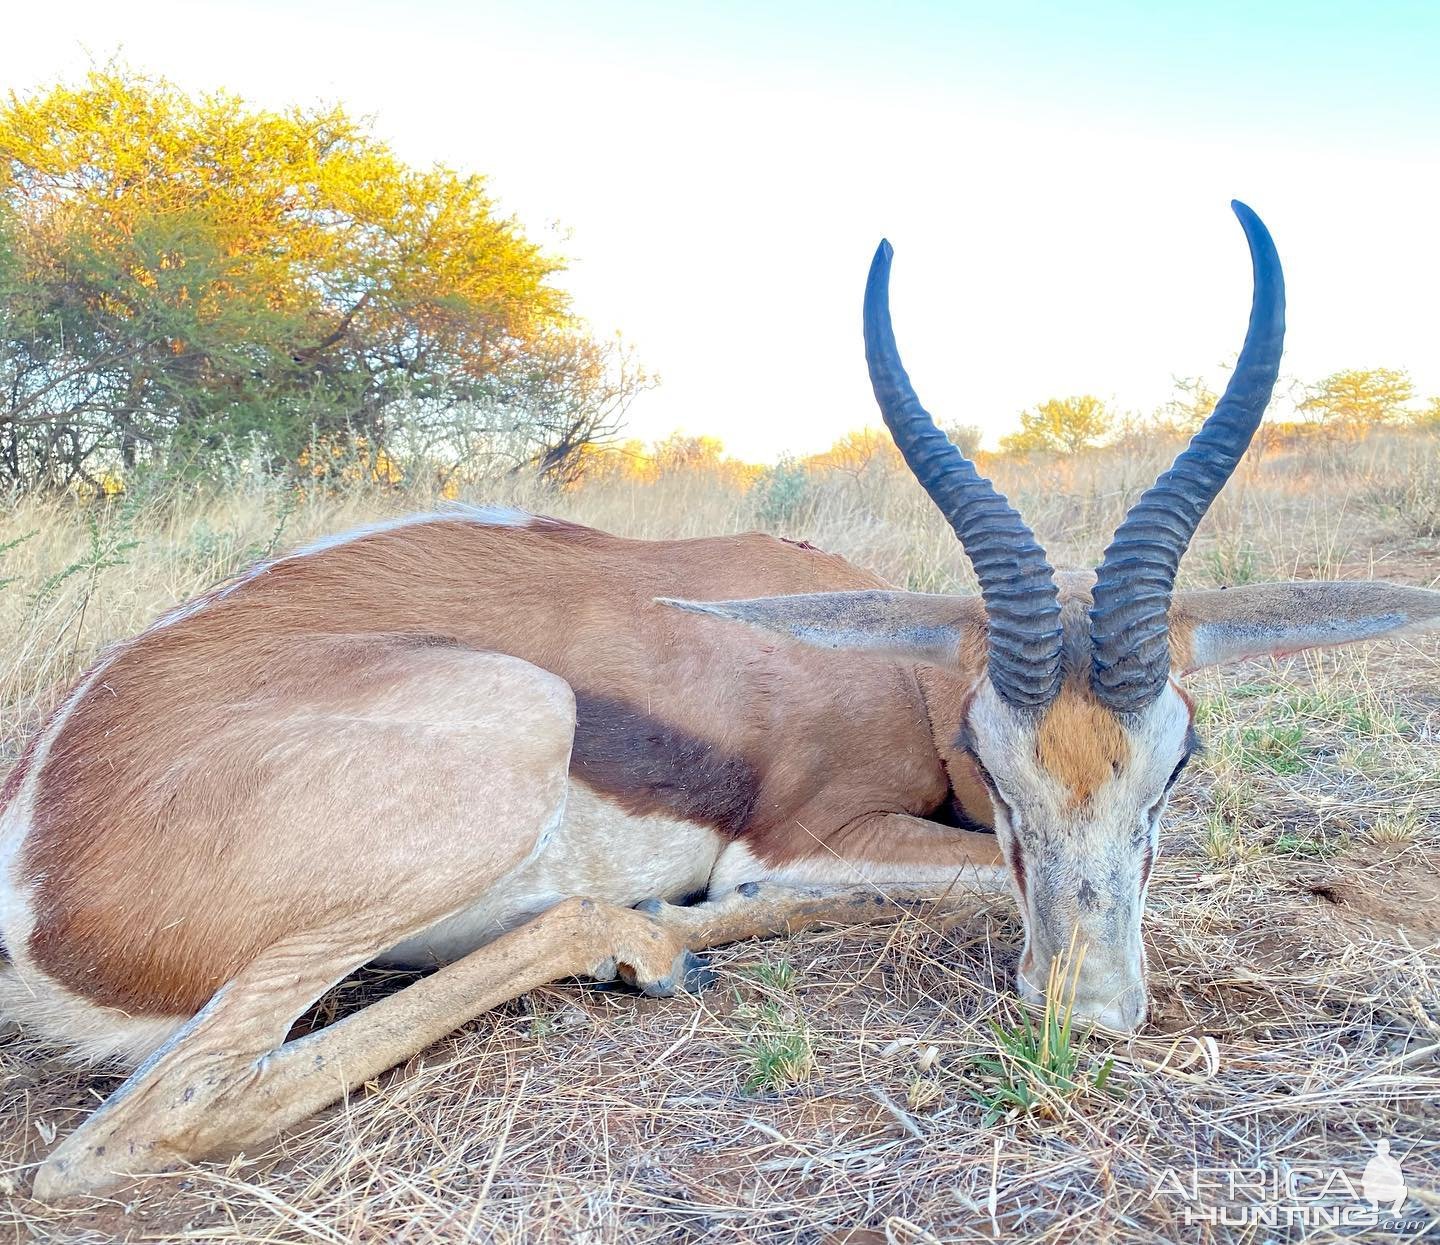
294,224
1354,400
348,460
635,462
1061,426
110,484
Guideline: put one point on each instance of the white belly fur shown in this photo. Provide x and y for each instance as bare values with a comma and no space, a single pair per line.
598,851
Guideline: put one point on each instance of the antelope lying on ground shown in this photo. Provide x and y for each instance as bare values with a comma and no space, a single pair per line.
476,739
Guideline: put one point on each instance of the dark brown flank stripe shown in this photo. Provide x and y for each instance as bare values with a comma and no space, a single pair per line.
648,766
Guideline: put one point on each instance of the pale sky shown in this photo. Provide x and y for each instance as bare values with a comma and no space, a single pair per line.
1055,177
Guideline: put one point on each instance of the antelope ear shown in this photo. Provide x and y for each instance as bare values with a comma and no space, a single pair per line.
906,626
1214,626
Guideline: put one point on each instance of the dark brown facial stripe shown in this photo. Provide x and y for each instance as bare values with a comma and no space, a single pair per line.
1017,867
648,766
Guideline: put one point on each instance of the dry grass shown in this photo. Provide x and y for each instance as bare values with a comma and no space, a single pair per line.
836,1086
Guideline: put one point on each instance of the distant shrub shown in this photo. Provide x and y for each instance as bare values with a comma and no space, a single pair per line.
782,494
1352,401
1061,426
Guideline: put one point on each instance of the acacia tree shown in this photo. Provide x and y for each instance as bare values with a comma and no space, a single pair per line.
179,275
1061,426
1354,400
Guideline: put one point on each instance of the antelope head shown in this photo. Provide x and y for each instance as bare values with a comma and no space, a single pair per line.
1073,718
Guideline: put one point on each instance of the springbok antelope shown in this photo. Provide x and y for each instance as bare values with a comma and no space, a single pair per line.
477,739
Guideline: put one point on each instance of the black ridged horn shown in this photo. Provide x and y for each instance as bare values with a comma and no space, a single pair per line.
1129,621
1016,581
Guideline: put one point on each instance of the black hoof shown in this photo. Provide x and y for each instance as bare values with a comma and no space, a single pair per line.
696,974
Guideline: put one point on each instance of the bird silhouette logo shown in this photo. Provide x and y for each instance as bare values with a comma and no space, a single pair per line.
1382,1181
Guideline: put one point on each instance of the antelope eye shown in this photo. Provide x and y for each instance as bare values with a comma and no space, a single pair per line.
984,771
1193,748
991,787
981,768
1177,771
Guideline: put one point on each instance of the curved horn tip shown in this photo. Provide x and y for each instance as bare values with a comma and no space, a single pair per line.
1255,229
1132,591
1002,549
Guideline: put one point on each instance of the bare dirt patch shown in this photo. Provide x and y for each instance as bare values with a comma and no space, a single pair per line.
1395,893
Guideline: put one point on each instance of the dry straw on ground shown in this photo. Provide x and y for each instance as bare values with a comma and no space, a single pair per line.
851,1085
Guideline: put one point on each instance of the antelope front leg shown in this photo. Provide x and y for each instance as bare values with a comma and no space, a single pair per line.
226,1081
767,909
899,864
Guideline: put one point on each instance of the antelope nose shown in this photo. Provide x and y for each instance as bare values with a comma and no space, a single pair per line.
1123,1015
1120,1008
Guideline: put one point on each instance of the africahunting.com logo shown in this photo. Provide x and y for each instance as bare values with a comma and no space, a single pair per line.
1299,1196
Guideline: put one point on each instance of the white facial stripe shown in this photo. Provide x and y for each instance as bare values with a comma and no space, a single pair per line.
1080,858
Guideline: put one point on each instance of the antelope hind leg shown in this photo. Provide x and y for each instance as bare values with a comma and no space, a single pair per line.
383,861
226,1081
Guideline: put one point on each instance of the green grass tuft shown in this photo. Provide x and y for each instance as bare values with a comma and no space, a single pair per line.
771,974
778,1051
1036,1067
